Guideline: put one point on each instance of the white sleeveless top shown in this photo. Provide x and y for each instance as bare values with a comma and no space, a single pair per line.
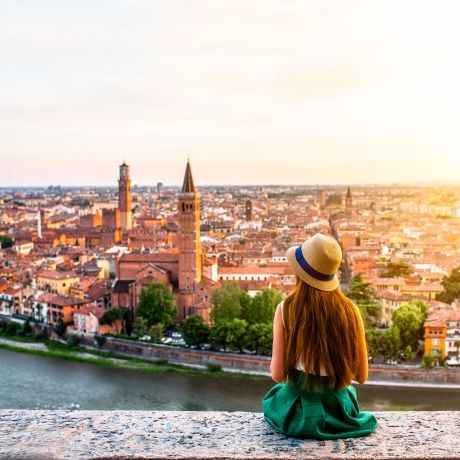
300,366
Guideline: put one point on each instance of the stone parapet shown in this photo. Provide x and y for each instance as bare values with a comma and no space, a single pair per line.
54,435
252,364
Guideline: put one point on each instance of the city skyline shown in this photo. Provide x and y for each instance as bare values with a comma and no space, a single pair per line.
258,93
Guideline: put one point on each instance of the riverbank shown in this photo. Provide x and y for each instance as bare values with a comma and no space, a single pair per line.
153,358
35,382
56,350
260,365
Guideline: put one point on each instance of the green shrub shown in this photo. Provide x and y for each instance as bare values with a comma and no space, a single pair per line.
27,328
40,336
213,368
13,328
100,340
73,341
428,362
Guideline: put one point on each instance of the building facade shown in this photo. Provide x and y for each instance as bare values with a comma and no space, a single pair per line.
442,330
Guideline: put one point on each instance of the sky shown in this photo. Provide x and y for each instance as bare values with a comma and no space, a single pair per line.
254,91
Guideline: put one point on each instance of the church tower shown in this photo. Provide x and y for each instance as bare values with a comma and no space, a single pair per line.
124,197
248,210
189,246
348,204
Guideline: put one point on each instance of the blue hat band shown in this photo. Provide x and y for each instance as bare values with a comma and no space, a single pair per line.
307,268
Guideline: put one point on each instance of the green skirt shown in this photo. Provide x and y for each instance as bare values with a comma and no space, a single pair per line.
325,414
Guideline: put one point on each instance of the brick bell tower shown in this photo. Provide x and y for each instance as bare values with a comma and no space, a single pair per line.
349,204
124,197
189,246
248,210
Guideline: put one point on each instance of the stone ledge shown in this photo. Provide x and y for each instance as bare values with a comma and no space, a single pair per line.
214,435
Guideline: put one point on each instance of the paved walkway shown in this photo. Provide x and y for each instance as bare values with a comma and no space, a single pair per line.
25,345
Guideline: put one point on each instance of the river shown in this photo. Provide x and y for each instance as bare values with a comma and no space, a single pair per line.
35,382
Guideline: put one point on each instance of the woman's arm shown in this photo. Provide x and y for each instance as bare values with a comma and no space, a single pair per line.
277,363
362,368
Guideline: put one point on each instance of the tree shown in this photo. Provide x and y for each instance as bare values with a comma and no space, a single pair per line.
259,338
409,320
261,308
375,342
156,305
140,326
27,328
218,335
236,334
60,328
127,319
13,328
451,286
227,302
5,241
156,332
395,269
428,362
365,297
391,342
409,354
245,303
113,315
194,331
457,346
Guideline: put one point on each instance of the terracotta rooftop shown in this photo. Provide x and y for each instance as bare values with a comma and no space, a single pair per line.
390,294
157,257
61,300
57,275
439,316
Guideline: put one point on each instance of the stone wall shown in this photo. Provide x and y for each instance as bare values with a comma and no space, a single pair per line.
62,435
185,356
261,364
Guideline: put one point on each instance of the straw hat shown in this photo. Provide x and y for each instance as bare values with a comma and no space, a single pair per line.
316,261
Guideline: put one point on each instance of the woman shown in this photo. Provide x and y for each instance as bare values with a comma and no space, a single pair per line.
319,347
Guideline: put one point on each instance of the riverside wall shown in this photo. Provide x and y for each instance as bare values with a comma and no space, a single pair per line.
261,364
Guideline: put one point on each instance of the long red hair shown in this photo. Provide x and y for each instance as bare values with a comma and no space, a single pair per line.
322,331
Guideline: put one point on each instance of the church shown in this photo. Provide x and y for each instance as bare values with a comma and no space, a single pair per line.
180,269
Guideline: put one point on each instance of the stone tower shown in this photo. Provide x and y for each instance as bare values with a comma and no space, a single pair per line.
348,204
189,246
39,223
124,197
248,209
